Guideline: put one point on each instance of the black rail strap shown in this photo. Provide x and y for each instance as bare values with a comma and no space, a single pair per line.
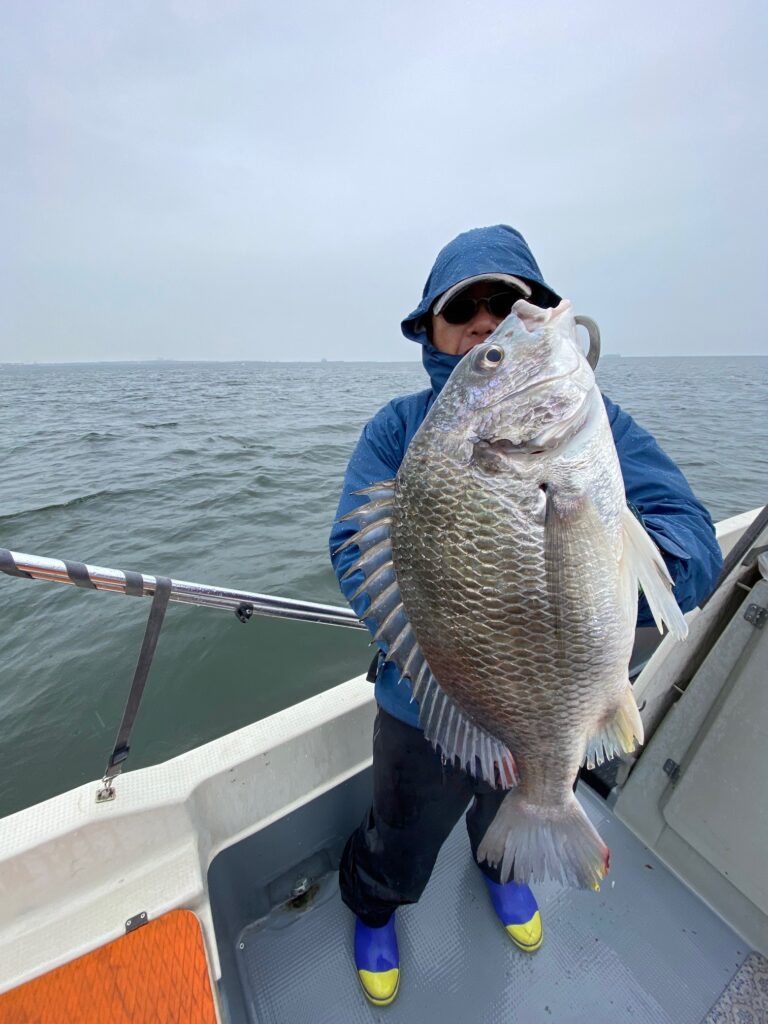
78,573
8,565
373,668
134,583
151,634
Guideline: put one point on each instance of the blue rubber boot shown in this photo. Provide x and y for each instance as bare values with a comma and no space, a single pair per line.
516,908
378,961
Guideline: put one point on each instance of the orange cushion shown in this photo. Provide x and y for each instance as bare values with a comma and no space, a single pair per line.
157,973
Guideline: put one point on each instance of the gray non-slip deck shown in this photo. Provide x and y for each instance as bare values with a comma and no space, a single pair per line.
644,949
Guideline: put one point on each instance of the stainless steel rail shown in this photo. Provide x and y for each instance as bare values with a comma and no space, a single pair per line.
244,602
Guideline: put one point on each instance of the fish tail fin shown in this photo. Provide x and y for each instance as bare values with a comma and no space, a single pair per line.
531,842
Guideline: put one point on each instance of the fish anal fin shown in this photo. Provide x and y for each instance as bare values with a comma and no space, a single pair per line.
620,735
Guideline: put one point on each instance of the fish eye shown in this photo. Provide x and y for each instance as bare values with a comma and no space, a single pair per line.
489,358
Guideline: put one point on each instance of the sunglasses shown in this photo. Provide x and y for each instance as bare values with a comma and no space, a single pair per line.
462,309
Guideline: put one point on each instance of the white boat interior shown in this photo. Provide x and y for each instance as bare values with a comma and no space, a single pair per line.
246,832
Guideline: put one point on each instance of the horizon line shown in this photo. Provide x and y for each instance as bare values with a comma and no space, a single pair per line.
319,362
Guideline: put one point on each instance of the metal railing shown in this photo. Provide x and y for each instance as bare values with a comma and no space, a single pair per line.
135,584
162,590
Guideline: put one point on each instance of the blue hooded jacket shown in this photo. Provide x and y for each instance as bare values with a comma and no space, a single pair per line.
672,515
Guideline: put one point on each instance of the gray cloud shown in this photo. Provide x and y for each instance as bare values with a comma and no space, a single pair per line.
232,181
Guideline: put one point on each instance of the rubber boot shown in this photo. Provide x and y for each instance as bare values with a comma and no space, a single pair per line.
378,961
516,908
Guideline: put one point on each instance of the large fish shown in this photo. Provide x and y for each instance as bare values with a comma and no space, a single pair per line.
502,566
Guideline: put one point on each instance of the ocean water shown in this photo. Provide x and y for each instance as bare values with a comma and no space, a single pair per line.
229,474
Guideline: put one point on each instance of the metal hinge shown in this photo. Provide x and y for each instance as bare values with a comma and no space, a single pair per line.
672,768
757,615
135,922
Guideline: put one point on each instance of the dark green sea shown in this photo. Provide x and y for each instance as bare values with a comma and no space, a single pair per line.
229,474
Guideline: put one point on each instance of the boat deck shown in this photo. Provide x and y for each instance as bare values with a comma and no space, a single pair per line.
643,949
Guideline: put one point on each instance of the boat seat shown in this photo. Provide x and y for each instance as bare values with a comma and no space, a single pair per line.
156,973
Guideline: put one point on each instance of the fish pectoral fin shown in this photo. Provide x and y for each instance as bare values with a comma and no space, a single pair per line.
572,526
642,559
448,727
575,544
620,735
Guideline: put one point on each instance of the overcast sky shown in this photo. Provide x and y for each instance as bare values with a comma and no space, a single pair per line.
216,179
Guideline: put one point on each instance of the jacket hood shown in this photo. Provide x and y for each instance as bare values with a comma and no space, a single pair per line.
495,250
439,365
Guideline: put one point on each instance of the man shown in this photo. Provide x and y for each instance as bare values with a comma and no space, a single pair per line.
417,798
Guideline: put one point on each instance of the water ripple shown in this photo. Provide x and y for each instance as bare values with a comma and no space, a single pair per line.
230,474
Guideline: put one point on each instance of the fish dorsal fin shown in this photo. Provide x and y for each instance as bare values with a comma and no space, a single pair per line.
391,628
445,725
374,518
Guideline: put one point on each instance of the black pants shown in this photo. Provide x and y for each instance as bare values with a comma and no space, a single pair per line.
416,802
